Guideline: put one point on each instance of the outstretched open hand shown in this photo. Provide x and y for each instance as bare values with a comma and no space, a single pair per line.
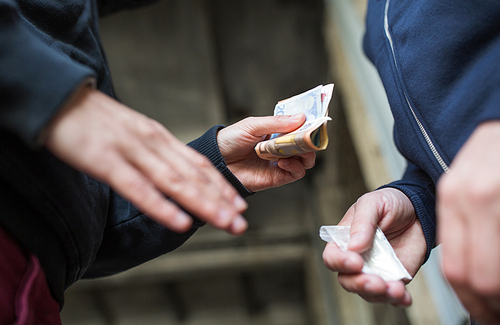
236,143
142,161
392,211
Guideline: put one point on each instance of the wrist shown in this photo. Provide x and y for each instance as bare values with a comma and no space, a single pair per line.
222,144
82,90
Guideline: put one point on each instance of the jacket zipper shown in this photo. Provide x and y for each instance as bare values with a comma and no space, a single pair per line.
430,144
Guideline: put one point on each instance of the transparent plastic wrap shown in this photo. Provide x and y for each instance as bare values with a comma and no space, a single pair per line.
380,259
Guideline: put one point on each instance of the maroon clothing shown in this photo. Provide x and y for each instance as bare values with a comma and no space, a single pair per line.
25,297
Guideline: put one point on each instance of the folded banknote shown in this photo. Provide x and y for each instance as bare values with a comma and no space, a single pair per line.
311,136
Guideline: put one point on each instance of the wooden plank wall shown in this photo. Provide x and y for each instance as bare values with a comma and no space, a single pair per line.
191,64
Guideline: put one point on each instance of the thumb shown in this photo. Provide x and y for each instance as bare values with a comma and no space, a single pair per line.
261,126
364,225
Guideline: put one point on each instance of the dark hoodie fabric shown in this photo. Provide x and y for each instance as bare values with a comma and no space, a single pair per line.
75,225
439,63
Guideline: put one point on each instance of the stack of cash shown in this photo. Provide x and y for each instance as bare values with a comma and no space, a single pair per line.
311,136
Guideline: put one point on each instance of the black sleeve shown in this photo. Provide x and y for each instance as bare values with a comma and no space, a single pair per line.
35,79
132,238
207,145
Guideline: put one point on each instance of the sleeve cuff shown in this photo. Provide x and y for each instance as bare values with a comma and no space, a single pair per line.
207,145
36,79
91,82
424,201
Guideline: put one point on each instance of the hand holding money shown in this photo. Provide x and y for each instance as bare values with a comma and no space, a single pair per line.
311,136
236,144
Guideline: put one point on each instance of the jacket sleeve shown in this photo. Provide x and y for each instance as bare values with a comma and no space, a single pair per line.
420,189
35,79
207,145
132,238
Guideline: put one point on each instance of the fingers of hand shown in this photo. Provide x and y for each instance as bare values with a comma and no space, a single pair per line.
190,179
397,294
469,268
293,166
208,195
139,158
483,249
339,261
468,222
452,232
373,289
297,165
261,126
238,226
142,193
308,159
370,287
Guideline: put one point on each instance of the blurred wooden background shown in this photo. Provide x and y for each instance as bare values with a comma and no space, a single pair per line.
192,64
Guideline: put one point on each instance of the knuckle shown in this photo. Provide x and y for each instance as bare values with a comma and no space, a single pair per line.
251,120
282,120
151,129
174,179
229,192
201,177
364,199
248,124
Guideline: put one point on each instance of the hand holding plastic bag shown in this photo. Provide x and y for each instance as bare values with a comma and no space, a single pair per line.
391,211
379,260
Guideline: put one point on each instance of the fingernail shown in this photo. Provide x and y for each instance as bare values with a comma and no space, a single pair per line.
239,225
297,116
240,203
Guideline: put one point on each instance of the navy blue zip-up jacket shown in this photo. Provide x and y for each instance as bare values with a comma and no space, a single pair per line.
439,61
74,224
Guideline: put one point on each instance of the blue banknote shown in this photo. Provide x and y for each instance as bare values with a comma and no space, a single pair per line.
308,102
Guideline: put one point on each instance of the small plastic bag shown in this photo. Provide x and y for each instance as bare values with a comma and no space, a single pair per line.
380,259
